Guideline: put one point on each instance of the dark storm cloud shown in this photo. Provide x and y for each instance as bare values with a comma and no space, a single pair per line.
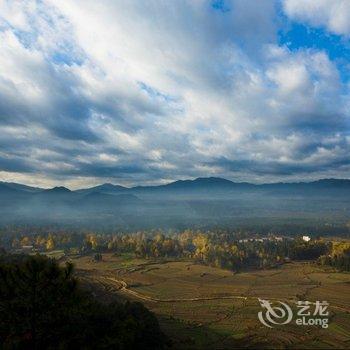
15,164
270,167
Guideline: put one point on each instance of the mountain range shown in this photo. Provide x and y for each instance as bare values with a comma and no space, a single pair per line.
210,200
198,184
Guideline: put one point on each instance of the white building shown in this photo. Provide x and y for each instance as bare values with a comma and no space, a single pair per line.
306,238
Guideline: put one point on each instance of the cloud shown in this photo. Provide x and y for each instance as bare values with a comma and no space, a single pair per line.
334,15
148,92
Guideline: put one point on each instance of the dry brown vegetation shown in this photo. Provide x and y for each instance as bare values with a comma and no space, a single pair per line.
201,306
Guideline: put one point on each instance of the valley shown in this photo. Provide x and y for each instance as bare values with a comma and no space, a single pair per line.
200,306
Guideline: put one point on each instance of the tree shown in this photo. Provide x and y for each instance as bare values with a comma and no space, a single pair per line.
50,243
43,307
201,243
25,241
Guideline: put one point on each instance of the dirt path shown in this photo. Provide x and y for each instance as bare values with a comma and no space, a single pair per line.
123,287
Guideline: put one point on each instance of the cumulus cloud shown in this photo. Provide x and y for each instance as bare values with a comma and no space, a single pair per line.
334,15
148,92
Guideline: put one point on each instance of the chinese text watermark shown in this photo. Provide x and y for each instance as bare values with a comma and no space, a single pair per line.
280,313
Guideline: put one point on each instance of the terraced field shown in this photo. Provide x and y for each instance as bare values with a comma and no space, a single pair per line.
203,307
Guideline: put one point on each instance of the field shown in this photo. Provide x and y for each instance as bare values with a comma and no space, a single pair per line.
202,307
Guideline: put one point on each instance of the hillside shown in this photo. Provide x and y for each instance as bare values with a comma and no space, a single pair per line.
202,201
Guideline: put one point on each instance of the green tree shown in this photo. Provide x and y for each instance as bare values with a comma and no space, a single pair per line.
43,307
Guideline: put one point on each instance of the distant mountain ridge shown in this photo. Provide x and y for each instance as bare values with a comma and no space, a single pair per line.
105,188
201,183
58,189
12,186
178,204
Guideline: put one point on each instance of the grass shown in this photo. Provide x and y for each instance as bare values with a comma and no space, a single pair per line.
226,323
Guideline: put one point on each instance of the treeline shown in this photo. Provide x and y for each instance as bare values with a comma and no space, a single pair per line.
293,228
339,256
43,307
219,248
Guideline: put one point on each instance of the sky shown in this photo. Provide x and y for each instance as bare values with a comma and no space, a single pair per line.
146,92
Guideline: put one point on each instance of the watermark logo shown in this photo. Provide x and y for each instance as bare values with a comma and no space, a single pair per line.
274,315
280,313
